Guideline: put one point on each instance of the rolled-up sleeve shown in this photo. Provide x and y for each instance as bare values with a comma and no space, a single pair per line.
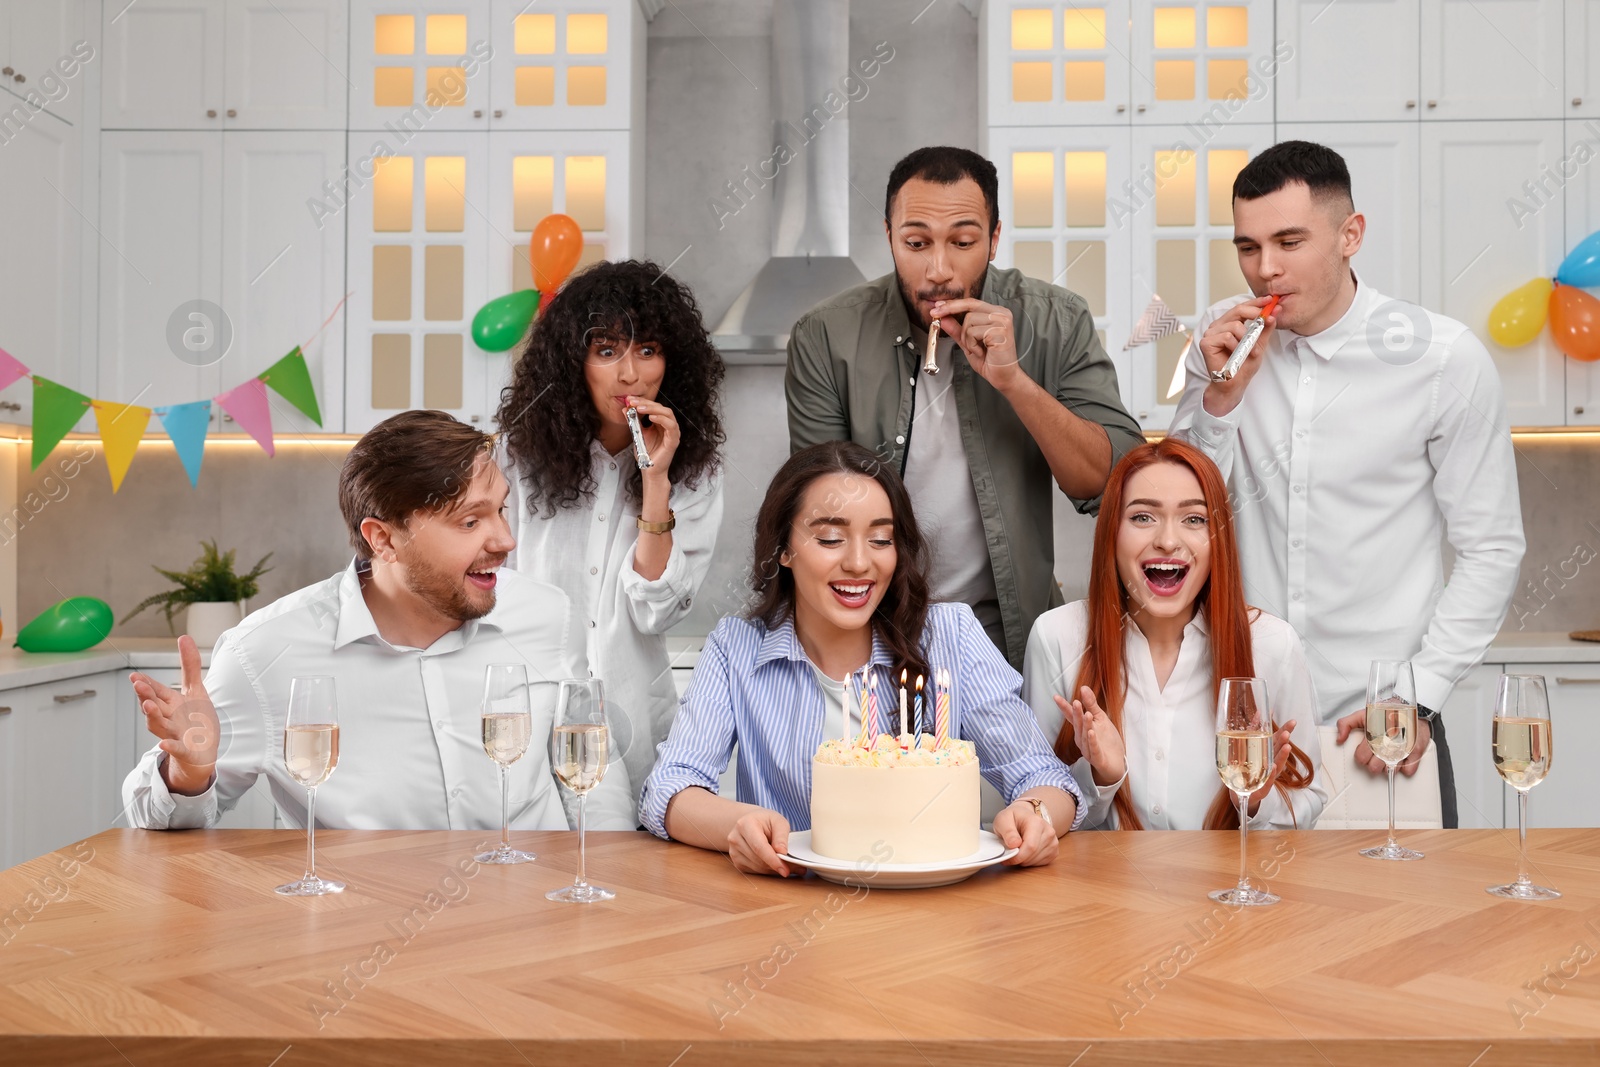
655,606
700,745
1086,385
241,756
991,713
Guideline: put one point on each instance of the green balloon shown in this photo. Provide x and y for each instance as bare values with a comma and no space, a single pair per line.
501,322
70,626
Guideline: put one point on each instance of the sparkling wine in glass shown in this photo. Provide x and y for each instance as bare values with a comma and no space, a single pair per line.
1521,744
579,748
310,754
1244,759
507,726
1391,728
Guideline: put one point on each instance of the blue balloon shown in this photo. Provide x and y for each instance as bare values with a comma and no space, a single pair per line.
1582,265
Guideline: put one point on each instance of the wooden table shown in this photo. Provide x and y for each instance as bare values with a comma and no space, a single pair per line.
139,948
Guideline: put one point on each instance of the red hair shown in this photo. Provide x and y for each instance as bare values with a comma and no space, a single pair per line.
1103,668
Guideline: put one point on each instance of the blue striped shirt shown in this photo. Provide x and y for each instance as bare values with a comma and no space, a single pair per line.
754,688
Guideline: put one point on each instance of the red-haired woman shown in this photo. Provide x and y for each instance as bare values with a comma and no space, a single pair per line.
1165,621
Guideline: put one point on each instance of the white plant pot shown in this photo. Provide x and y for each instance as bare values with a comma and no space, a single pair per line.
205,622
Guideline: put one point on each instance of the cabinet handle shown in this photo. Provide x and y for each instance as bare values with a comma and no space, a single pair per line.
12,405
1411,103
477,112
68,698
1577,681
211,112
1141,107
1577,101
7,71
1433,103
20,78
232,114
1121,108
5,709
498,113
1576,411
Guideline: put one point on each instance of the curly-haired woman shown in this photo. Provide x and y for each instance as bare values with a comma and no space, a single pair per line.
629,546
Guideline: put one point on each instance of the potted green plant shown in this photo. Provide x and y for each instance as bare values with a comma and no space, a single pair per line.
212,592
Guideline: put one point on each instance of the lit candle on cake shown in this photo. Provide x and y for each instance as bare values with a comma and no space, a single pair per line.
905,723
863,735
941,707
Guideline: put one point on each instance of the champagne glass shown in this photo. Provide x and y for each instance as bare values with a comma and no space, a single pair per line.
1392,733
579,745
1244,759
507,726
310,753
1521,745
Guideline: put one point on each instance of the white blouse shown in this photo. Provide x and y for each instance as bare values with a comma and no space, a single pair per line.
1170,733
587,551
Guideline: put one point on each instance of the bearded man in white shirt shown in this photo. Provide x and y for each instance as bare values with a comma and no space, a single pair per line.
406,631
1358,431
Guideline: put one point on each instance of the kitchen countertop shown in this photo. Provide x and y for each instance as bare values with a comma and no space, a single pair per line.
19,668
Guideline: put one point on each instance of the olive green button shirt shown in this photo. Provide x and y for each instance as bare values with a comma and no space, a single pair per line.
852,372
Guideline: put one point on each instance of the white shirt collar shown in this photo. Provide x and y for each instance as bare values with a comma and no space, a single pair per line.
1355,317
356,622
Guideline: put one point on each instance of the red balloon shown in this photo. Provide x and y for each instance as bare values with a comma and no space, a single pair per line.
553,251
1575,323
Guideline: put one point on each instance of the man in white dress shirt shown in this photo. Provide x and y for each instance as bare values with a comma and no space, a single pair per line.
1359,431
406,631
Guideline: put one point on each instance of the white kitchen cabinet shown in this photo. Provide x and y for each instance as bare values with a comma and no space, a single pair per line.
1182,227
254,811
242,64
221,217
1055,64
1066,201
161,216
1467,715
48,172
1210,65
566,65
1475,248
11,758
416,66
1583,393
1383,158
1570,793
1493,59
1583,59
66,761
1352,61
416,236
283,266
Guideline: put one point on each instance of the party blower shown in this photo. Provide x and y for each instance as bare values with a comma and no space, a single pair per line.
1252,334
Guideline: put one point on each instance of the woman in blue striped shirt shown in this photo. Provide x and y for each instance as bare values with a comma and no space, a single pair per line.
840,584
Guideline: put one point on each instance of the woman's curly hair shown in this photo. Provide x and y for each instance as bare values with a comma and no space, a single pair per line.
546,415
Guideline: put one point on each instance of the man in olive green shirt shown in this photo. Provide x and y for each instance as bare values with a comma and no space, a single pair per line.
1031,399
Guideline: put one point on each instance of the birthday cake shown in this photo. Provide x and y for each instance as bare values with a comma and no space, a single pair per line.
921,802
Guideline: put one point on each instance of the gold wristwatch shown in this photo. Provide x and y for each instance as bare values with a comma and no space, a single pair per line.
658,527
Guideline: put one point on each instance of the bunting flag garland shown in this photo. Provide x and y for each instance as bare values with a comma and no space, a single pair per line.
11,370
1157,322
290,379
248,405
121,427
57,409
186,424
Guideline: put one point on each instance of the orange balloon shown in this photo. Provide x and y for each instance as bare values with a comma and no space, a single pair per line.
553,251
1575,323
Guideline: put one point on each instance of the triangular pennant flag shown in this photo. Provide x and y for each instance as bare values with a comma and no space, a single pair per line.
248,405
121,428
292,381
56,410
1156,322
10,368
187,424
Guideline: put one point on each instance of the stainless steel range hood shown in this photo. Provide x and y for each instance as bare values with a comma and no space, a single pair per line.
811,192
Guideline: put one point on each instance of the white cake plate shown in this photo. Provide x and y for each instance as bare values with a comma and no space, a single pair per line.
898,875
